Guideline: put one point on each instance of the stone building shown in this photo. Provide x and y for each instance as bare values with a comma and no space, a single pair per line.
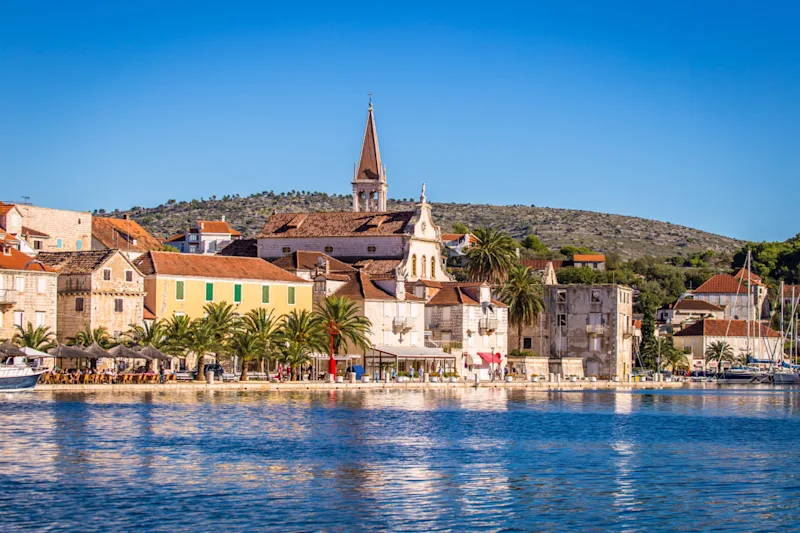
100,288
125,235
368,236
205,237
730,293
464,320
46,229
591,330
27,292
763,343
686,311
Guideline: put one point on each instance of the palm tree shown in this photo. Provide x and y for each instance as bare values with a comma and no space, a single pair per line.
39,338
259,321
301,333
224,320
151,333
523,292
677,359
177,331
658,351
202,338
340,316
245,345
295,354
87,336
491,256
721,352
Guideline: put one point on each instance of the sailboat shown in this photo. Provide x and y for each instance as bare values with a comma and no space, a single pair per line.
787,373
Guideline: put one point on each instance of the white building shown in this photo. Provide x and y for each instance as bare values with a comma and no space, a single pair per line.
763,343
686,311
205,237
730,293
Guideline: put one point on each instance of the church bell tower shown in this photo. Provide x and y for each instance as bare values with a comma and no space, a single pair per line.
369,180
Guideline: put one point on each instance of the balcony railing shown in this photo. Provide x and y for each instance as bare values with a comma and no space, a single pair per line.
595,329
487,324
627,331
402,322
8,297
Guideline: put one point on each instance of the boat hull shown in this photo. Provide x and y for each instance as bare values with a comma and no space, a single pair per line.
780,378
742,378
18,383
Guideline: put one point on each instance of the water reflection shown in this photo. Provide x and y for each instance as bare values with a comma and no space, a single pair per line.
449,460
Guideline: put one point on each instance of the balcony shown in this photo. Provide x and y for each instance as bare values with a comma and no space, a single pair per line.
402,323
627,331
8,297
595,329
487,325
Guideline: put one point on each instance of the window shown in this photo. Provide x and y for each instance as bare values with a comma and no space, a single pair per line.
79,305
445,314
58,243
329,249
414,310
527,343
265,294
117,305
595,297
387,338
19,318
433,267
594,344
179,313
562,321
41,285
193,237
79,245
387,309
37,245
193,249
372,249
414,265
287,249
209,292
291,296
129,275
424,266
106,274
179,288
414,338
19,284
39,319
237,293
562,296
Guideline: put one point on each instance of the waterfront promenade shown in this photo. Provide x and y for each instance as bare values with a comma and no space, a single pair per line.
321,386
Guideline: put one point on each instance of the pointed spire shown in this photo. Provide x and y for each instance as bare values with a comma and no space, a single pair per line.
369,165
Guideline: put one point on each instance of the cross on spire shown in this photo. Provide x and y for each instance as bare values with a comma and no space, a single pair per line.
370,98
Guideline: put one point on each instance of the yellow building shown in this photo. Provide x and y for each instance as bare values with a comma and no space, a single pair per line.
182,284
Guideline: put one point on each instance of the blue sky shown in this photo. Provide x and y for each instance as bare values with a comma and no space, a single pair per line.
680,111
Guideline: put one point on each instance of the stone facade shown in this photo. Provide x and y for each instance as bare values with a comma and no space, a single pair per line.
66,230
593,323
110,296
27,297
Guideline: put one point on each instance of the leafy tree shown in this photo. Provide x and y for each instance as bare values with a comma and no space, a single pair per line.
169,248
583,275
39,338
524,294
661,348
341,315
491,256
532,242
570,250
459,227
87,336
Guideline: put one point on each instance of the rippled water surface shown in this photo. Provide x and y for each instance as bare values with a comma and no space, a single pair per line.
457,460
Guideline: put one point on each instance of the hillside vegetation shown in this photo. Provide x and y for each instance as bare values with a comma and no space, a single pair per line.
630,237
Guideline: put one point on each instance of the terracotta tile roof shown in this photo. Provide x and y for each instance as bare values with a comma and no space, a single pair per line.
334,224
212,266
541,264
742,275
30,232
112,233
361,287
75,262
637,324
787,291
717,328
588,258
452,236
369,164
376,267
306,260
241,248
216,226
460,293
16,260
336,276
5,208
177,237
695,305
722,284
147,314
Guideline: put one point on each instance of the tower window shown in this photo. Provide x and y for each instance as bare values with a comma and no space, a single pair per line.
287,249
329,249
414,265
371,249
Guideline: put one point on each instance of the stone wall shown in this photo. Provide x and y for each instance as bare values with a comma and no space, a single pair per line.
29,301
69,226
386,246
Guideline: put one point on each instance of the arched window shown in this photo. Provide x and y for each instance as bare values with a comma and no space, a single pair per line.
433,267
414,265
424,266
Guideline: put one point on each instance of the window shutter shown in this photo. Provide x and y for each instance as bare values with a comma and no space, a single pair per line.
265,294
237,293
179,290
291,296
209,292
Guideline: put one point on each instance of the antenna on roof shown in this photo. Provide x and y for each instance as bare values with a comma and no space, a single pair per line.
26,200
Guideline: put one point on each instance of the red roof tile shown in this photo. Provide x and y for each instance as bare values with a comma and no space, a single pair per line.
541,264
588,258
719,328
83,262
695,305
112,233
305,260
742,275
335,224
5,208
212,266
722,284
216,226
241,248
13,259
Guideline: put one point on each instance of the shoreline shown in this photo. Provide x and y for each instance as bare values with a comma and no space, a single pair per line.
323,386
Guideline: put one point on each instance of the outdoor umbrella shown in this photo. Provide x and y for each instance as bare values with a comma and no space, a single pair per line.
9,350
123,352
33,353
70,352
155,353
97,350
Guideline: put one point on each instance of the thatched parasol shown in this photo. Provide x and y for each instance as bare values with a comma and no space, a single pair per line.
11,350
97,350
123,352
70,352
155,353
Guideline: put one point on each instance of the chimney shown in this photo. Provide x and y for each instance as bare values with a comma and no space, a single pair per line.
327,268
223,218
400,283
485,294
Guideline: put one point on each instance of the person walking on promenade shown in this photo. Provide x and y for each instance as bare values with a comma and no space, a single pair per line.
161,376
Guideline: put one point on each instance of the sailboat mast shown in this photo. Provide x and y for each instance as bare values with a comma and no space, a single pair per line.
749,304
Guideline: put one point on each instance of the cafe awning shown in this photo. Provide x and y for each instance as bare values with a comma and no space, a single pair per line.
490,358
412,352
